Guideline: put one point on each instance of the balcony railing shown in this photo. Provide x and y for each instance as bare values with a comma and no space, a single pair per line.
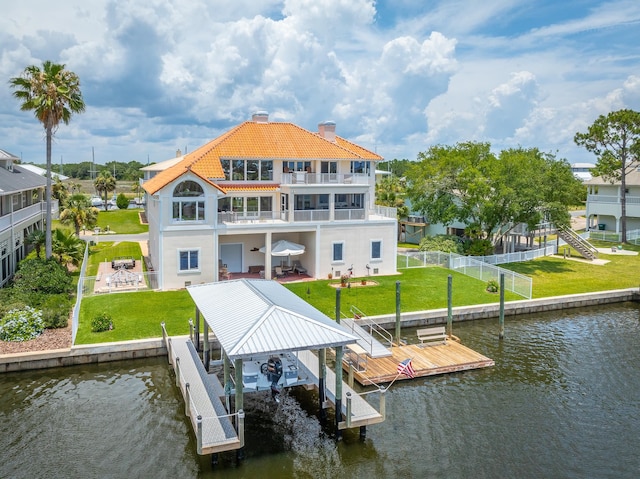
21,215
304,178
342,214
631,200
311,215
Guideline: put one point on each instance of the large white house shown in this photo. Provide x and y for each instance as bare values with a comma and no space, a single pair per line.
226,203
22,211
604,209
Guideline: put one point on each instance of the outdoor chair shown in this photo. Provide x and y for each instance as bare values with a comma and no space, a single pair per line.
279,272
298,268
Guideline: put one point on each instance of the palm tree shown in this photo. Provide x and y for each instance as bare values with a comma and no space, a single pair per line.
53,94
37,238
79,213
105,184
137,189
68,247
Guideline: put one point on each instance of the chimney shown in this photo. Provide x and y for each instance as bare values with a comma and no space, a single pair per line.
327,130
260,117
178,153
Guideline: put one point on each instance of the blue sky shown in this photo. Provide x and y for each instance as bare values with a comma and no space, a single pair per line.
396,76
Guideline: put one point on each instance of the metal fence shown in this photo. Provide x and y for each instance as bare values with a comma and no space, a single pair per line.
76,307
472,266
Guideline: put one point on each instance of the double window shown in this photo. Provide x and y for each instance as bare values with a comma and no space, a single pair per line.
188,260
188,202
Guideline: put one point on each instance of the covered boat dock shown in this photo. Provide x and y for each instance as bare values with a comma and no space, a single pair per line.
259,325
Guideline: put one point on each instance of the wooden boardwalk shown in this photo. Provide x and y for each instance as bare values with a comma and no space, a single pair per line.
209,418
427,360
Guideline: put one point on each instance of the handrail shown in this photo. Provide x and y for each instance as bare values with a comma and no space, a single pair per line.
373,326
579,239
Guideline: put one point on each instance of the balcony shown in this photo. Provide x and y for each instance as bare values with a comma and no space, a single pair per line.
21,215
304,178
610,205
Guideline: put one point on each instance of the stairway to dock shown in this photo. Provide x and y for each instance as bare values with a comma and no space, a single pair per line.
578,243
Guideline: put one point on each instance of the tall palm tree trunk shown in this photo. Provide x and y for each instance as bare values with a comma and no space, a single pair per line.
48,242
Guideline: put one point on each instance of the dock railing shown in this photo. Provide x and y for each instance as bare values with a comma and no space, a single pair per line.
363,320
198,421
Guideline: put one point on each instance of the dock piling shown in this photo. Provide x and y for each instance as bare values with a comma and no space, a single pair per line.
339,354
501,334
398,318
449,306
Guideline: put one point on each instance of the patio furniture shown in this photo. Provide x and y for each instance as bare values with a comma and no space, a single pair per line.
279,273
298,268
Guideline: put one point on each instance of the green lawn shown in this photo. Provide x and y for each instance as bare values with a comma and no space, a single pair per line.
121,221
138,315
107,250
555,276
420,289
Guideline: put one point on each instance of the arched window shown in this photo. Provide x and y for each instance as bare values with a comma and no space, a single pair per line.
187,205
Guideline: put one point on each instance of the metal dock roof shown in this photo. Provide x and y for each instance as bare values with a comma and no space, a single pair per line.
261,317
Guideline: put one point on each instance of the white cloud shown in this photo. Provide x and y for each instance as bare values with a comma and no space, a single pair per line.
395,76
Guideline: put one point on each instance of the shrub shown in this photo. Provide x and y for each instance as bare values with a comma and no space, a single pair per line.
42,276
21,324
444,243
122,201
102,322
493,286
479,247
55,311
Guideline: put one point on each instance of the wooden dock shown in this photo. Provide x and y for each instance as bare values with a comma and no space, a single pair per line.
362,413
427,360
201,391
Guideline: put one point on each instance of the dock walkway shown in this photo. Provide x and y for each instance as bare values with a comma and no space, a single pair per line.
362,413
214,432
427,360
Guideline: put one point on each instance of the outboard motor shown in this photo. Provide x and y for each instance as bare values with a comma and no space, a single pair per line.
274,373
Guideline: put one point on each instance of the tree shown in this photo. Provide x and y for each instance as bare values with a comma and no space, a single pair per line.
37,238
491,195
68,247
615,140
105,184
390,191
54,95
137,189
395,166
79,213
59,191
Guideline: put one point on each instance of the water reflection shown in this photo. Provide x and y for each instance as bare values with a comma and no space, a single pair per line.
562,401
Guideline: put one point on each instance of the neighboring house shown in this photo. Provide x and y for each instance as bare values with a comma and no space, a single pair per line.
261,182
604,209
43,172
582,171
22,211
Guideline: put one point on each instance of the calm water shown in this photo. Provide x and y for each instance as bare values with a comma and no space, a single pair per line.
563,401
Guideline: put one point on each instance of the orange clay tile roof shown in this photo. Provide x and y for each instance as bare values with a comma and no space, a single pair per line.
273,140
251,187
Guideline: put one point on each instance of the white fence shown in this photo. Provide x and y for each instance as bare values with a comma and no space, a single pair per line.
476,268
633,236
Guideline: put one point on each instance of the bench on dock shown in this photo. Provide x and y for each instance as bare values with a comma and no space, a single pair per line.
428,335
